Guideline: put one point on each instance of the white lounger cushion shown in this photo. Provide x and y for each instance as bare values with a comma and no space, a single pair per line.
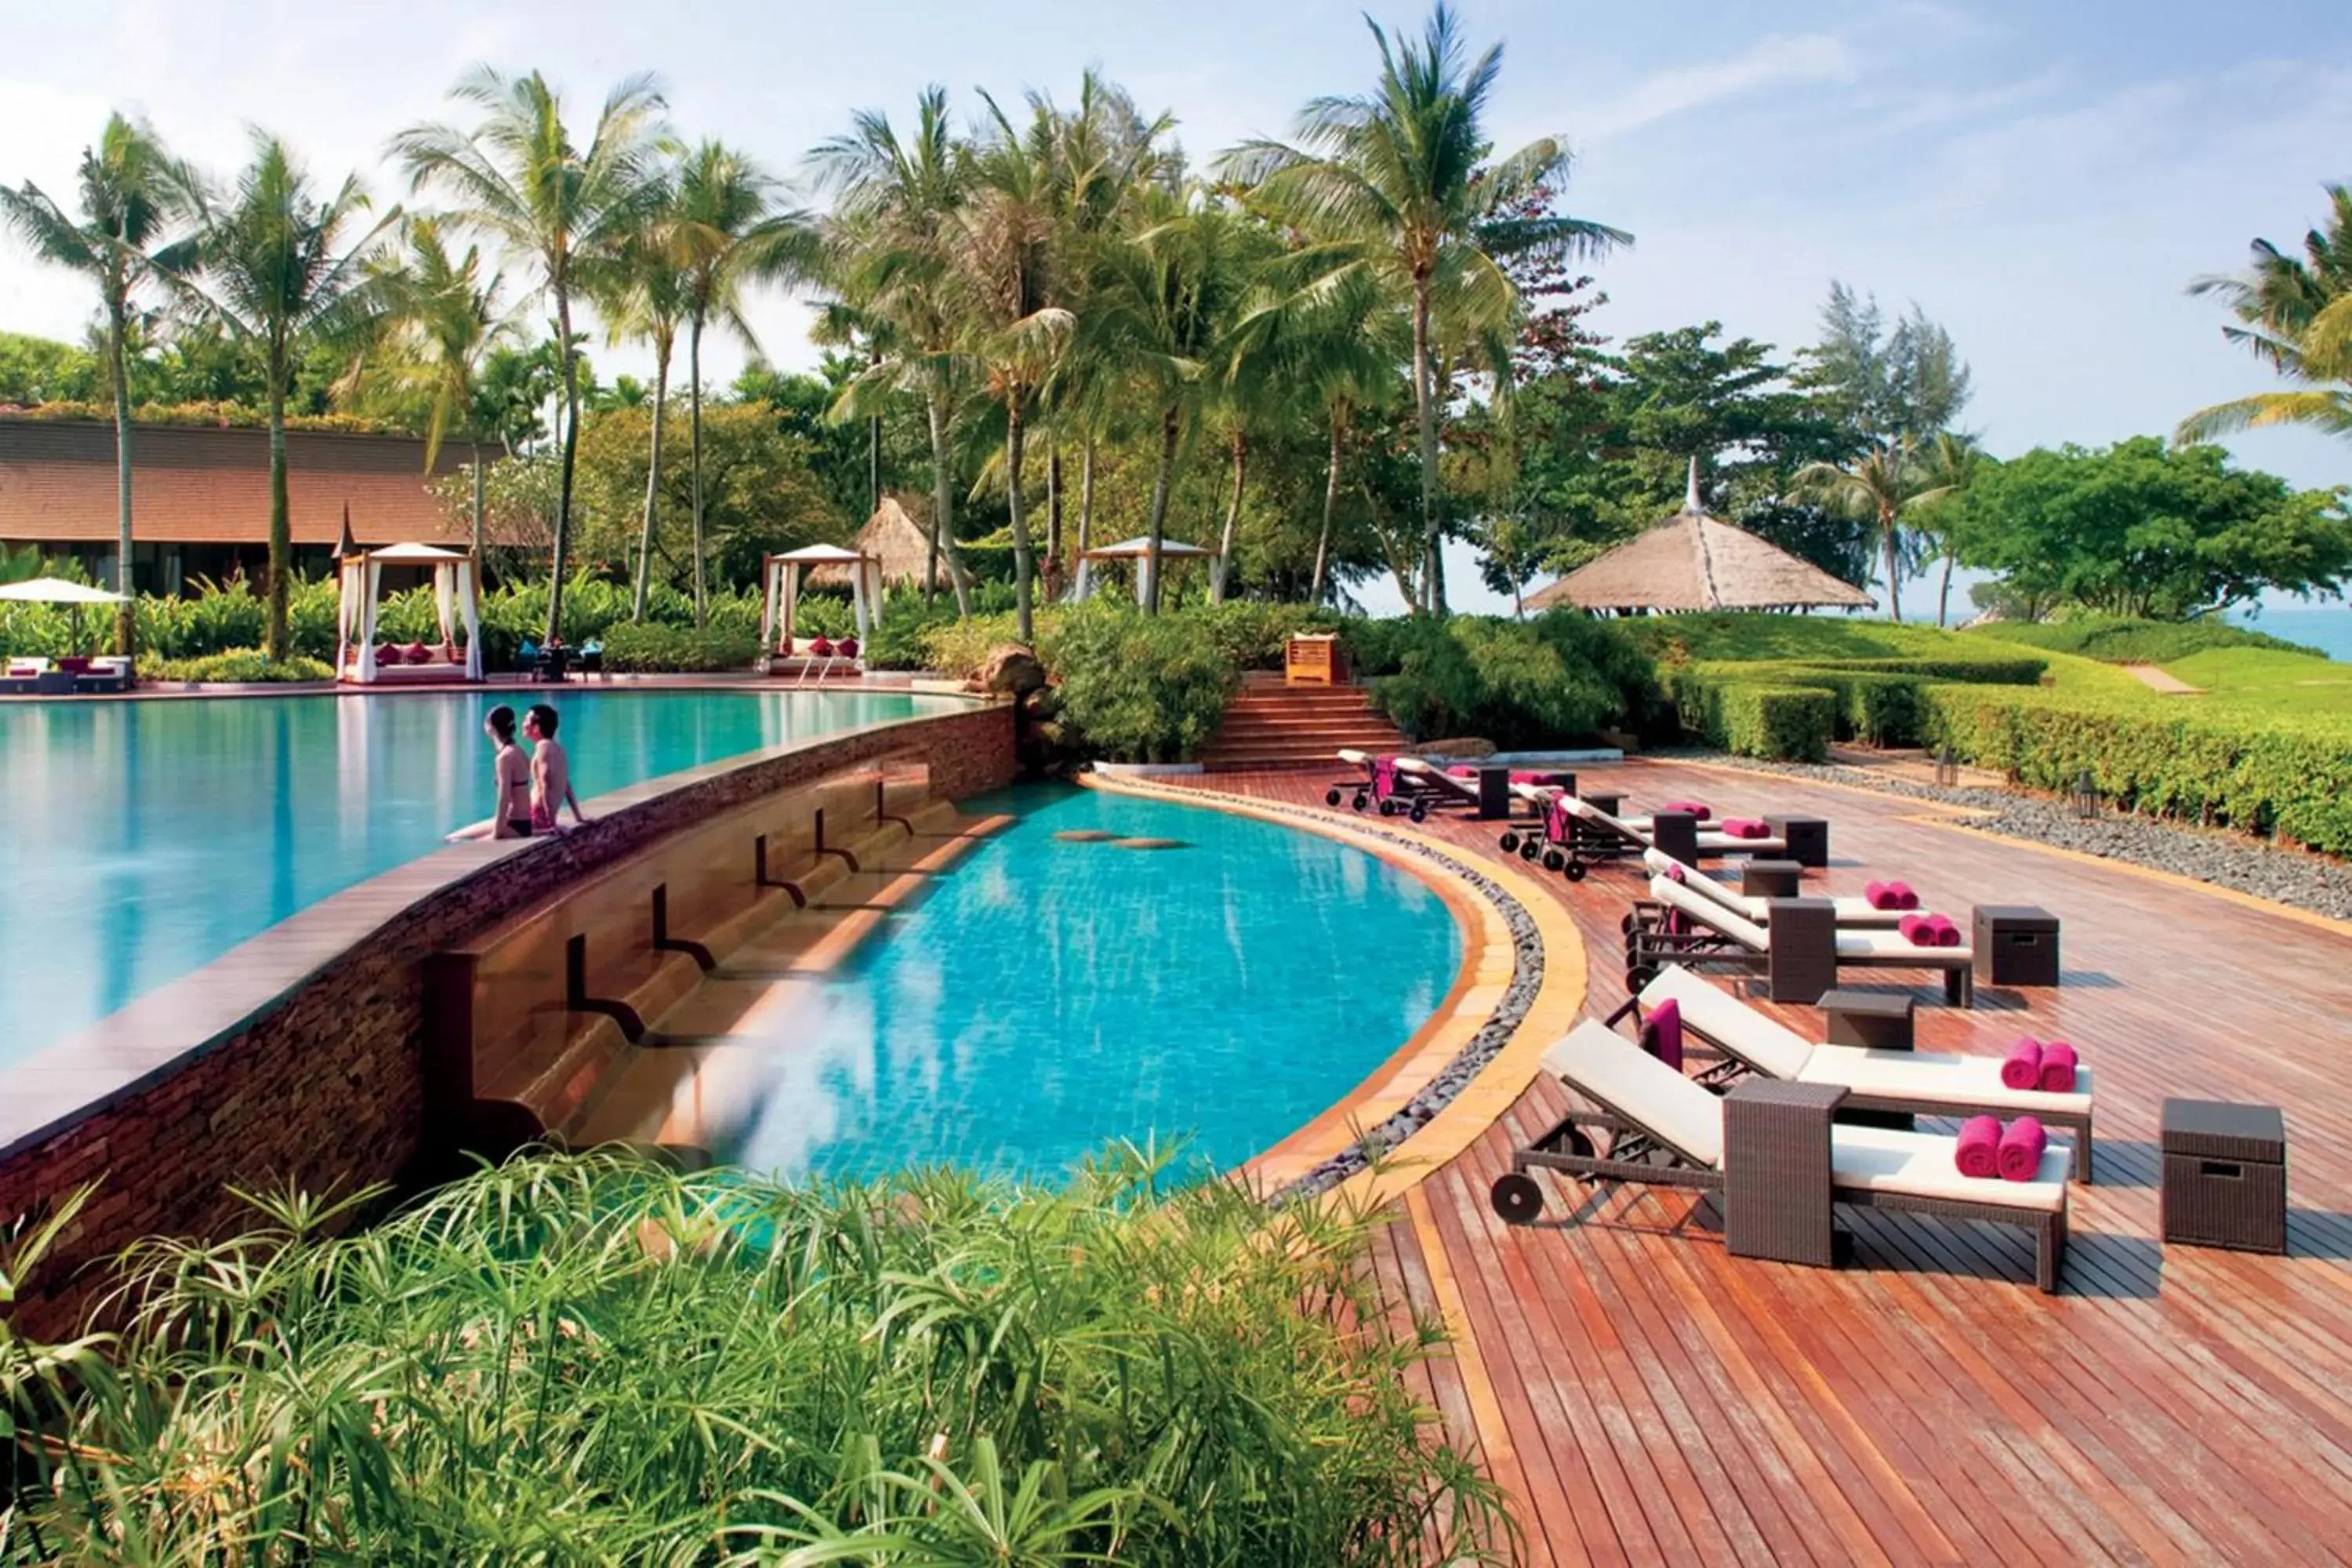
1360,759
1764,1044
1606,1067
1891,947
1422,768
1714,916
1926,1165
1850,911
1936,1078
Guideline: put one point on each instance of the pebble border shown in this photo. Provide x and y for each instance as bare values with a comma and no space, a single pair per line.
1519,996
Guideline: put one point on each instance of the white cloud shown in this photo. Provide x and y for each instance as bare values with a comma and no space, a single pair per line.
1775,61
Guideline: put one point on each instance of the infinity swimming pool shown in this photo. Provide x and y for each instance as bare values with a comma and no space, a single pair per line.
1042,996
144,840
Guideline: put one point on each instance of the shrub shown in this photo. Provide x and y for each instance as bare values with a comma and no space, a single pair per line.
244,666
2121,639
635,649
1773,716
1521,684
2264,773
594,1358
1139,688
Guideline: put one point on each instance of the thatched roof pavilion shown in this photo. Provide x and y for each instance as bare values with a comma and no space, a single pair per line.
1693,561
892,536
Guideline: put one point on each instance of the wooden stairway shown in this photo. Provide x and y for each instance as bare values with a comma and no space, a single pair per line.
1272,725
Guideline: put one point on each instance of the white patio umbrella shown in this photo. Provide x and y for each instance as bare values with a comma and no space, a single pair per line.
58,591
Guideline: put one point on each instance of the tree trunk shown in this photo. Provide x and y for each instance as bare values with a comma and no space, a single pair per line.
943,530
1054,518
481,531
1023,561
1944,599
1087,499
1425,398
282,541
873,464
1222,574
1893,567
1331,506
694,416
653,484
570,458
126,614
1170,429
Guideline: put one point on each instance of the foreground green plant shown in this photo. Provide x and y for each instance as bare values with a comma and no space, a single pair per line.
592,1358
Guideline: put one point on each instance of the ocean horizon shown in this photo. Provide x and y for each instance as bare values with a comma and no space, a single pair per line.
2328,627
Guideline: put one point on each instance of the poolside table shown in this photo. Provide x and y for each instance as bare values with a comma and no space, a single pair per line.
1777,1198
1772,878
1875,1021
1808,839
2016,944
2224,1175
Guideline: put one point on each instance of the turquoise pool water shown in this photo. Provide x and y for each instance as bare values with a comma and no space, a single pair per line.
144,840
1042,997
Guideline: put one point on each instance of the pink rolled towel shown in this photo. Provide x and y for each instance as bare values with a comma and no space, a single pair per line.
1917,932
1688,809
1662,1033
1904,899
1942,932
1879,896
2058,1065
1979,1147
2022,1145
2022,1068
1745,828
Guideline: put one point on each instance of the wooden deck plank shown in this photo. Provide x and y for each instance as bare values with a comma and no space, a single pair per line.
1665,1401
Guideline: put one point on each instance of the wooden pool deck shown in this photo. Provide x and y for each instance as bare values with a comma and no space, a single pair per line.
1643,1397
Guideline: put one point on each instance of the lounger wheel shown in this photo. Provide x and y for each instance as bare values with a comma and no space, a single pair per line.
1388,809
1517,1198
1359,803
1638,978
1510,844
1629,925
1529,850
1574,870
1330,797
1420,811
1554,860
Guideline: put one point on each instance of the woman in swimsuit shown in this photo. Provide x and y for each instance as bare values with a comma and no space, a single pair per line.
509,782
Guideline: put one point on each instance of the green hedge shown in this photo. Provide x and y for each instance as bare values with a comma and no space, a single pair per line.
2121,639
638,649
1548,681
1136,688
240,666
1754,717
1882,701
2163,757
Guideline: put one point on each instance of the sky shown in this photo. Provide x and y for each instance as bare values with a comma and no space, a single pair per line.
2044,179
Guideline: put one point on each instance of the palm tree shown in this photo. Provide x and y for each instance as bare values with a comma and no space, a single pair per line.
729,231
642,292
1010,322
1952,463
1396,177
131,196
895,204
2297,316
447,320
521,179
281,270
1876,488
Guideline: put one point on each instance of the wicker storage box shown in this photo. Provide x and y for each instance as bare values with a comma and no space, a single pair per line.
2224,1175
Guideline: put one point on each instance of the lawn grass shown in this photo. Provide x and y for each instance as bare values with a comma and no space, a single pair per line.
1762,637
2263,681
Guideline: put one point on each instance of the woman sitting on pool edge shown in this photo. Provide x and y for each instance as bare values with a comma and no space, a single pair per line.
511,782
551,772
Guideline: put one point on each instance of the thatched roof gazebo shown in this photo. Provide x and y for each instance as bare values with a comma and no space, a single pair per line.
1693,561
893,538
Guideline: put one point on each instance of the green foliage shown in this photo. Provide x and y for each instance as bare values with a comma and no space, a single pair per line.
2143,529
1520,684
2125,639
2262,679
1139,688
1807,638
244,666
594,1359
2175,757
647,647
1754,715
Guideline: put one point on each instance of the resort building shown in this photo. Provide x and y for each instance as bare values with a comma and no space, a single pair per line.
200,496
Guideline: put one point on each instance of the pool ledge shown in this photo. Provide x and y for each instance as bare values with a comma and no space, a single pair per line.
1490,966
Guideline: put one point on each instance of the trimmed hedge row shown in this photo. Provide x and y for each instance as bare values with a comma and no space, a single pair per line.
2123,640
1754,717
2290,777
1880,700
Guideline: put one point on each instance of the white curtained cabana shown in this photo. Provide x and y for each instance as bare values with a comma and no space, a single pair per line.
1137,550
780,578
457,593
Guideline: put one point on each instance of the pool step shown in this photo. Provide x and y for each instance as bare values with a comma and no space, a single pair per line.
1269,726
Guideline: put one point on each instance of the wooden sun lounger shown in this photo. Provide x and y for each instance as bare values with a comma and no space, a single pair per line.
1858,913
1769,1152
1923,1083
1798,952
1598,836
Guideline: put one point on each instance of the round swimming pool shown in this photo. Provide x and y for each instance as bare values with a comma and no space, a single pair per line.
144,840
1045,996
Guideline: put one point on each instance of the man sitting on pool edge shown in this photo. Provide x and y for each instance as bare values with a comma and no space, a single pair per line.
551,772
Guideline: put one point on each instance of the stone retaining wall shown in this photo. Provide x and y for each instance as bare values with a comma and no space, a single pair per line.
315,1075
